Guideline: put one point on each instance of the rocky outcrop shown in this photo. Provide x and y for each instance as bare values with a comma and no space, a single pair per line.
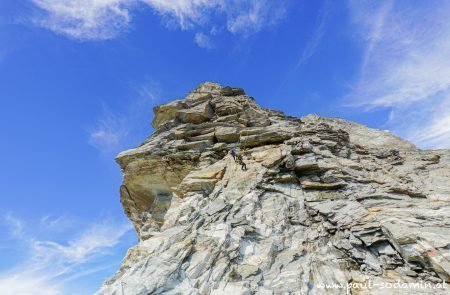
323,201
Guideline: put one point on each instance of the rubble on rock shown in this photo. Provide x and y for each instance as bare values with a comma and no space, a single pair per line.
323,201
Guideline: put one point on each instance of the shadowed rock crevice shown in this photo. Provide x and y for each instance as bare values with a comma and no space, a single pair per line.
323,201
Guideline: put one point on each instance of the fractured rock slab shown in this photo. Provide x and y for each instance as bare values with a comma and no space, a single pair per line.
323,201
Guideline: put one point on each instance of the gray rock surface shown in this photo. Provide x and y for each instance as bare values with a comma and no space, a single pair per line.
323,201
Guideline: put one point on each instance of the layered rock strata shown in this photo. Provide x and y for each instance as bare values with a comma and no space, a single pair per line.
323,201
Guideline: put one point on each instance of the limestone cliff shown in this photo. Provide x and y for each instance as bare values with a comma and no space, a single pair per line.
323,201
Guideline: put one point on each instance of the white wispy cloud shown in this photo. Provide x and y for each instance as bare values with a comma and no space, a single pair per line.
105,19
59,223
110,133
406,67
203,40
435,133
15,225
249,16
319,31
117,130
96,240
25,284
185,13
85,19
49,265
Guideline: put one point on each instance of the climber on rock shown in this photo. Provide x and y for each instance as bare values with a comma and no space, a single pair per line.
243,165
240,161
238,158
233,153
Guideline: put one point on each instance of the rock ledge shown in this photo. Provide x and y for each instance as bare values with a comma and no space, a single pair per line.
323,201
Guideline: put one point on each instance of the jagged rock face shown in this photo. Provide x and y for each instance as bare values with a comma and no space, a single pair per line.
322,201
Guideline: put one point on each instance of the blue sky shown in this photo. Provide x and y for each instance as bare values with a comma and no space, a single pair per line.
79,78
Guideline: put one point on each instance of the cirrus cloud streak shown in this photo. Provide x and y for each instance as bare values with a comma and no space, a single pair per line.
106,19
406,67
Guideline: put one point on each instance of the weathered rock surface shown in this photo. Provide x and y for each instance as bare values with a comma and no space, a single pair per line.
323,201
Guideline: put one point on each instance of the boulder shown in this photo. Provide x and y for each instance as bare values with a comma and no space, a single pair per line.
229,91
166,112
227,134
196,115
306,163
225,107
269,156
264,138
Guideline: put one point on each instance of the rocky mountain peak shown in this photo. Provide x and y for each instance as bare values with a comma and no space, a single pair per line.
217,89
320,201
202,104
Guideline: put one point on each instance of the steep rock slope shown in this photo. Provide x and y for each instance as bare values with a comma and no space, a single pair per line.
323,201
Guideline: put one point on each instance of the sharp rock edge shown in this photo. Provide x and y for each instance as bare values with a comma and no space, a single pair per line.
323,201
